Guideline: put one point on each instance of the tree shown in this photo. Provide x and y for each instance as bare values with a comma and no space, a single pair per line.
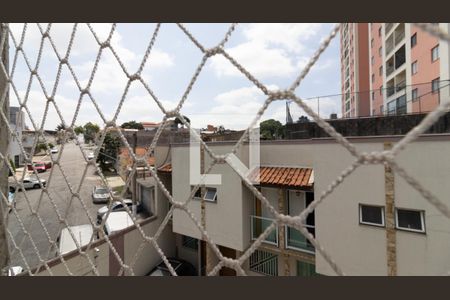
303,119
271,129
132,125
79,130
60,127
178,121
108,151
90,132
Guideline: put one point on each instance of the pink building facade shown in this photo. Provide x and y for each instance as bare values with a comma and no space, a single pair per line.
408,69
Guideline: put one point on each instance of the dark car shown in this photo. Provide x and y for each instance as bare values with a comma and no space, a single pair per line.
181,267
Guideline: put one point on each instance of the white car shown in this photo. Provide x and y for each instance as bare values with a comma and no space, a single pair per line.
28,183
82,233
54,150
117,221
100,194
90,155
117,206
13,271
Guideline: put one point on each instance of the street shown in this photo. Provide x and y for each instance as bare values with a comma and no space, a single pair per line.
73,166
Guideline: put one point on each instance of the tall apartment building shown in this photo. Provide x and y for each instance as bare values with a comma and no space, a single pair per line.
355,70
408,69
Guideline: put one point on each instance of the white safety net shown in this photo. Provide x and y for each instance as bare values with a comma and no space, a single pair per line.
34,220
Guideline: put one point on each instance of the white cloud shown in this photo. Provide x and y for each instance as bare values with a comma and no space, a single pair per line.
269,50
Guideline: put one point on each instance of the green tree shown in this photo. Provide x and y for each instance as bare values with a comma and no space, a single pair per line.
60,127
271,130
79,130
90,131
178,121
108,151
132,125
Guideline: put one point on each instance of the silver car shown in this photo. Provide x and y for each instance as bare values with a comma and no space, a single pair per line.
100,194
116,206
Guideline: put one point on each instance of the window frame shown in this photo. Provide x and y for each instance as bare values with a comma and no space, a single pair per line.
433,91
414,63
198,191
214,200
432,52
383,218
412,94
414,37
422,220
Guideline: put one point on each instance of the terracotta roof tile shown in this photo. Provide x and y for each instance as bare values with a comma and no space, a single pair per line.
284,176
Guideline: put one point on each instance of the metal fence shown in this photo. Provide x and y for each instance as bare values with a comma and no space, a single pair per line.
49,232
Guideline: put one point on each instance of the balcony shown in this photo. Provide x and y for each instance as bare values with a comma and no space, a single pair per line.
259,224
297,241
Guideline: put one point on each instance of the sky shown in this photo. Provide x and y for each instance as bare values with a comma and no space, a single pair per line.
274,53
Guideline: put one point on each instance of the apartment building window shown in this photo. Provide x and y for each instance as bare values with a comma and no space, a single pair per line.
410,220
380,71
414,67
198,193
435,85
371,43
373,95
414,94
381,90
373,78
371,215
372,60
380,51
211,194
413,40
379,31
189,242
381,109
435,53
306,269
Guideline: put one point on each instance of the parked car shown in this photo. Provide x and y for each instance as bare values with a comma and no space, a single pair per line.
100,194
39,166
82,233
11,200
54,150
181,267
90,155
117,221
117,206
13,271
28,183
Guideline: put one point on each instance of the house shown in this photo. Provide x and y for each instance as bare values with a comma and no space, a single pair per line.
17,124
373,223
150,126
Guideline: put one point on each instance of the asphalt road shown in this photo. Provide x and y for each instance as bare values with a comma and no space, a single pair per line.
73,166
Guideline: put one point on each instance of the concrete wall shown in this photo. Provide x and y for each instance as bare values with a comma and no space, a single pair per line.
361,249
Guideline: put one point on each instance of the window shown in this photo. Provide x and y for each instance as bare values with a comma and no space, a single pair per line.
381,109
306,269
380,51
392,107
413,40
372,60
264,262
414,94
373,77
371,43
414,67
198,193
379,31
371,215
435,85
411,220
211,194
381,90
189,242
435,53
380,70
373,95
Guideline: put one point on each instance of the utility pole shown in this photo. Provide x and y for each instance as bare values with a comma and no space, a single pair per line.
4,142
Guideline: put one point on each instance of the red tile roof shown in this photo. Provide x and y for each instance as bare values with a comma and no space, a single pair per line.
166,168
140,151
284,176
